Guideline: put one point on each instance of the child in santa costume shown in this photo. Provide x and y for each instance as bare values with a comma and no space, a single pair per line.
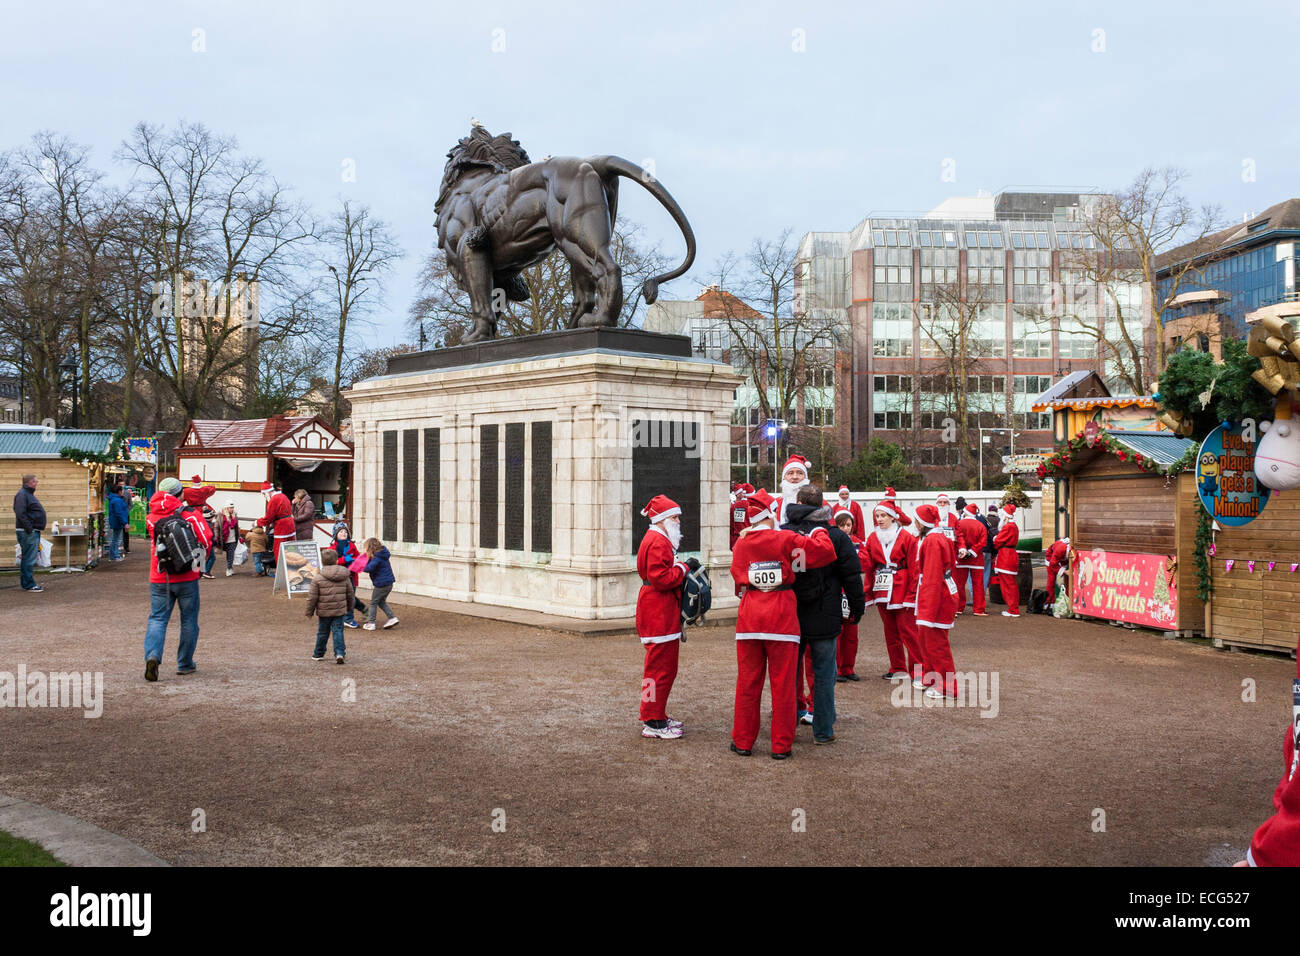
886,563
845,502
1277,841
767,625
1006,562
793,477
936,602
1056,555
659,613
846,649
972,536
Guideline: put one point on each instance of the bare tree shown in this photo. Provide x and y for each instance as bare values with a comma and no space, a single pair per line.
359,250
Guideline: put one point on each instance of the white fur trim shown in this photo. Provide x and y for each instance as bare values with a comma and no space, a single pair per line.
941,627
1250,859
765,636
662,640
671,512
1004,571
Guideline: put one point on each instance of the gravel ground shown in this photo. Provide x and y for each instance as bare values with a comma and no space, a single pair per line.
458,722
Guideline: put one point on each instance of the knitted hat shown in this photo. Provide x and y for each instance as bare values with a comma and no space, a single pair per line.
660,507
927,516
171,486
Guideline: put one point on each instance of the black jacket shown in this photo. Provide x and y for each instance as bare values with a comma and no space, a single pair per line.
29,513
819,590
991,523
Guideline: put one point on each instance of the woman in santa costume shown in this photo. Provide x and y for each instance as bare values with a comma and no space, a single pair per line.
1006,562
1277,841
767,625
972,536
659,613
886,563
793,477
891,496
845,502
936,602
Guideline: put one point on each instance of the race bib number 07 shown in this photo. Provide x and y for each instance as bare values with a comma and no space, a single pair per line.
884,581
765,575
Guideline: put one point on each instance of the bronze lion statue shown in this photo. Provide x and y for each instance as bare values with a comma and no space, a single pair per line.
498,213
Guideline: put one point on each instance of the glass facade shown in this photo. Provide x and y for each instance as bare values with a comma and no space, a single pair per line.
1252,279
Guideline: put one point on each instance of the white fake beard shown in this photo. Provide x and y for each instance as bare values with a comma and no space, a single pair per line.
674,532
790,490
887,536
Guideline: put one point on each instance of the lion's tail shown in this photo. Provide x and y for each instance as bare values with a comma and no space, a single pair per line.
610,166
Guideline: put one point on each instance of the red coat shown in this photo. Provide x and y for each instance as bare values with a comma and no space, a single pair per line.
162,505
659,602
876,560
768,553
972,535
936,601
853,508
1056,554
1277,841
279,519
1005,560
198,497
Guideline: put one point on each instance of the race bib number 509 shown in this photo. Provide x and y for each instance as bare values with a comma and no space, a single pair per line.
765,575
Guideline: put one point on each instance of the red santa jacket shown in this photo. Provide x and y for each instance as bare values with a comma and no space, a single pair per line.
1005,559
898,560
659,602
853,508
972,536
1277,841
1056,554
936,592
763,557
947,526
279,519
198,497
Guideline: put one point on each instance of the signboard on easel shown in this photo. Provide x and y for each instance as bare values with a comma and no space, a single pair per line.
298,565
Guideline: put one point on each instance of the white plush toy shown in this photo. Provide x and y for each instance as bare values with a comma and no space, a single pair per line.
1277,457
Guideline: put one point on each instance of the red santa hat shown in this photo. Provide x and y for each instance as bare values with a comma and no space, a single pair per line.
890,493
972,509
942,498
746,488
197,480
797,461
1009,509
660,507
927,516
844,489
891,509
758,507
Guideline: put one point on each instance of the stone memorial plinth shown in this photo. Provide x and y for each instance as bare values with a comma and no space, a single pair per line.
512,472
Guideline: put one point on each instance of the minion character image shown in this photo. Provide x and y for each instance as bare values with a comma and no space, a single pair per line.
1207,475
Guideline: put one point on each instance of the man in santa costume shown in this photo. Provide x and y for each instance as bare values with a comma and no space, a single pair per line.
767,624
278,520
889,552
1056,555
948,517
1006,562
738,519
1277,841
972,536
793,477
936,602
845,502
197,494
659,613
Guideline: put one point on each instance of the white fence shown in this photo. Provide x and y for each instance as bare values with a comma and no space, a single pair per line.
1030,520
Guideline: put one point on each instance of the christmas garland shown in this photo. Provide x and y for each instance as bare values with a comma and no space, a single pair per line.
1055,463
104,458
1204,542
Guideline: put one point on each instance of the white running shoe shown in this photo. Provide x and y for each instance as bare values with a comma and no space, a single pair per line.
897,675
933,694
918,685
368,626
1009,614
667,733
391,622
806,718
229,572
674,723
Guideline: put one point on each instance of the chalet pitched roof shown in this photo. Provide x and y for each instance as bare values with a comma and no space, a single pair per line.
250,434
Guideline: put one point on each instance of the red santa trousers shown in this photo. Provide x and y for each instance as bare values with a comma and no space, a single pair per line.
779,659
803,680
902,641
1010,591
939,666
846,652
657,678
1052,569
975,576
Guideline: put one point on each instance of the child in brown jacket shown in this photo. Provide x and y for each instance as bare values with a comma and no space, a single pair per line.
260,548
331,599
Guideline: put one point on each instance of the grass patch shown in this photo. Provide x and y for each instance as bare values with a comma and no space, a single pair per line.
16,852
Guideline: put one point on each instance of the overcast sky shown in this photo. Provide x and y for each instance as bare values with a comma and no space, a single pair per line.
757,116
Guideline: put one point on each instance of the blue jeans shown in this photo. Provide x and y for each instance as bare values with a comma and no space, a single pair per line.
30,542
162,597
114,543
212,559
824,668
988,570
325,626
